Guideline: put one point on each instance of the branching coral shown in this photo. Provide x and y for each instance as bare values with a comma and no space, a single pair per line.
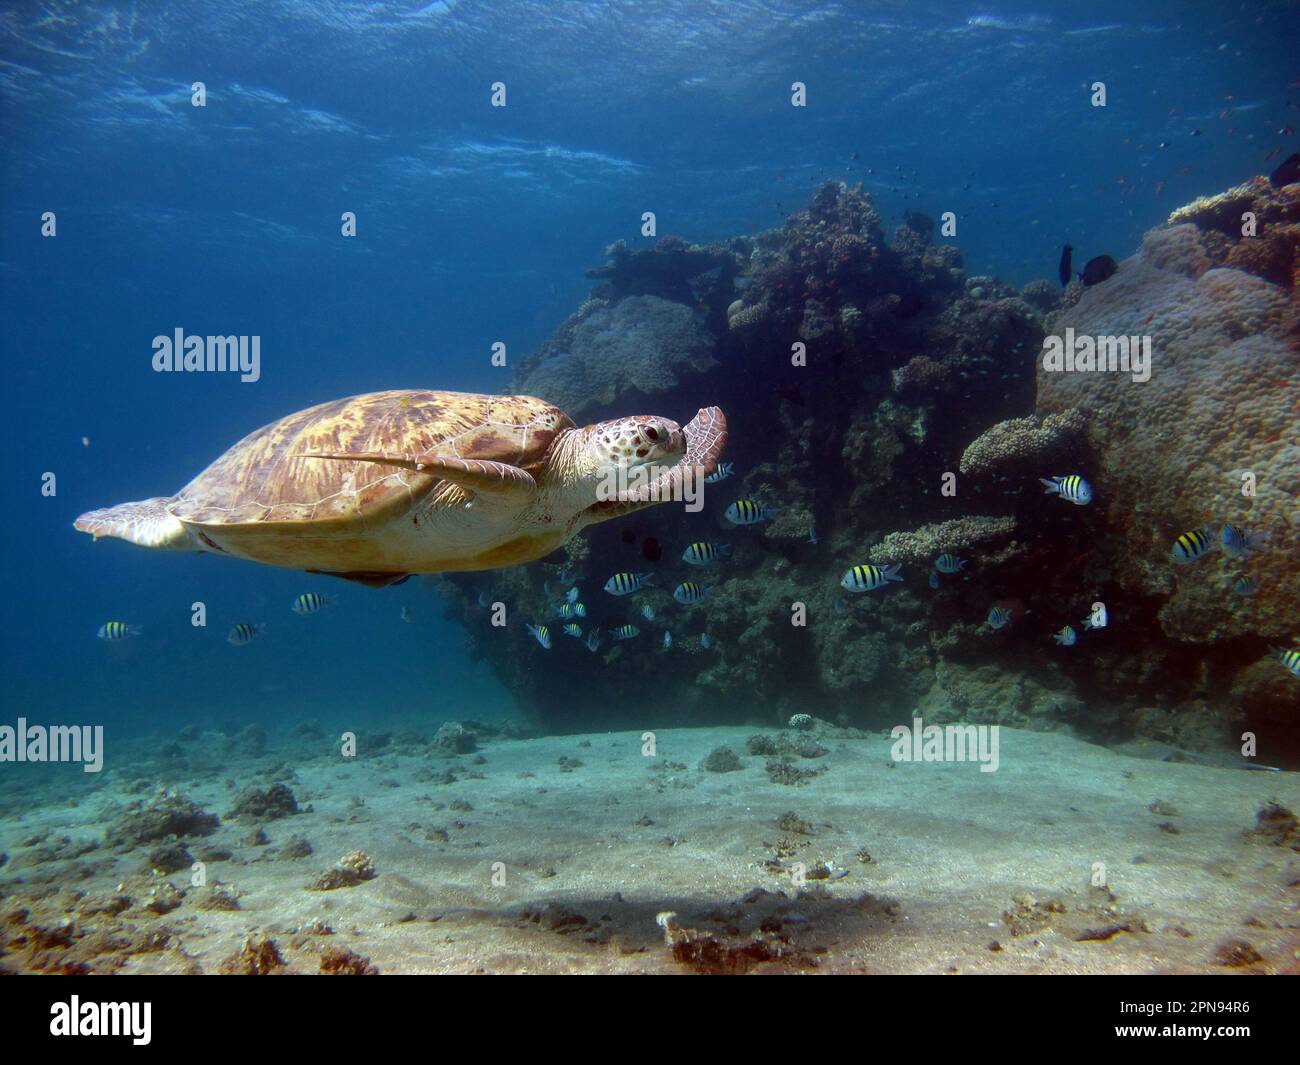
921,546
1024,445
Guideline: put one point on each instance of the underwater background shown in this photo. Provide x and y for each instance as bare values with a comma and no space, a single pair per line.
479,224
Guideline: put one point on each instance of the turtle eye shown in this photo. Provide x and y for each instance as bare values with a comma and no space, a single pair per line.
652,432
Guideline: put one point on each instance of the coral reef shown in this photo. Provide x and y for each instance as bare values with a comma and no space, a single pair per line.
1210,438
912,371
1273,253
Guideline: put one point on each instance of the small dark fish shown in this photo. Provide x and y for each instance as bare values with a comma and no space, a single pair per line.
1288,173
245,633
629,536
1066,263
651,549
1098,270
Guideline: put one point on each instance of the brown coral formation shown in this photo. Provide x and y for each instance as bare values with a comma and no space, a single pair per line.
1224,223
920,547
1210,438
1026,446
352,869
1175,452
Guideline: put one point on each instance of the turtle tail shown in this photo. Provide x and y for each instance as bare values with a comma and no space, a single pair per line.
148,523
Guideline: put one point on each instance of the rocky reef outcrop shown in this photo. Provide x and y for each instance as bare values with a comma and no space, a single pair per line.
1212,437
638,347
894,409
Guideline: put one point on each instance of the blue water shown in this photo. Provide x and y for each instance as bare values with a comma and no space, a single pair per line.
475,225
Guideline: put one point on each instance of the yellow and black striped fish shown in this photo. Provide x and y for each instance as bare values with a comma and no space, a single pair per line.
626,583
867,578
244,633
702,554
690,592
1290,660
1191,546
1072,488
747,512
626,632
117,630
310,602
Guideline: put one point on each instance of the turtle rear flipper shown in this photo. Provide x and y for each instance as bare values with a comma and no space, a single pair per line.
148,523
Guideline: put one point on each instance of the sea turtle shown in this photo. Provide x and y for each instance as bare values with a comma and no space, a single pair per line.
375,487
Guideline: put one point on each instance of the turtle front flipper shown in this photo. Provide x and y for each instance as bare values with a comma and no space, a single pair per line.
474,475
148,523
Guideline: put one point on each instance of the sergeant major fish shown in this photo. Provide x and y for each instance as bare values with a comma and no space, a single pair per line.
747,512
1289,658
690,592
1072,488
999,617
310,602
867,578
1245,586
1191,546
118,630
244,633
541,634
1238,543
723,471
1067,637
627,583
626,632
704,554
948,563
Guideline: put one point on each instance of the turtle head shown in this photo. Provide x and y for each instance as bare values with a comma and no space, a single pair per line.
627,453
636,442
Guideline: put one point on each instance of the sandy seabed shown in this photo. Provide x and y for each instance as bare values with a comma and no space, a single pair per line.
560,854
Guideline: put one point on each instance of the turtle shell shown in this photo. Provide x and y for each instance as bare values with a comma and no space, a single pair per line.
266,478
